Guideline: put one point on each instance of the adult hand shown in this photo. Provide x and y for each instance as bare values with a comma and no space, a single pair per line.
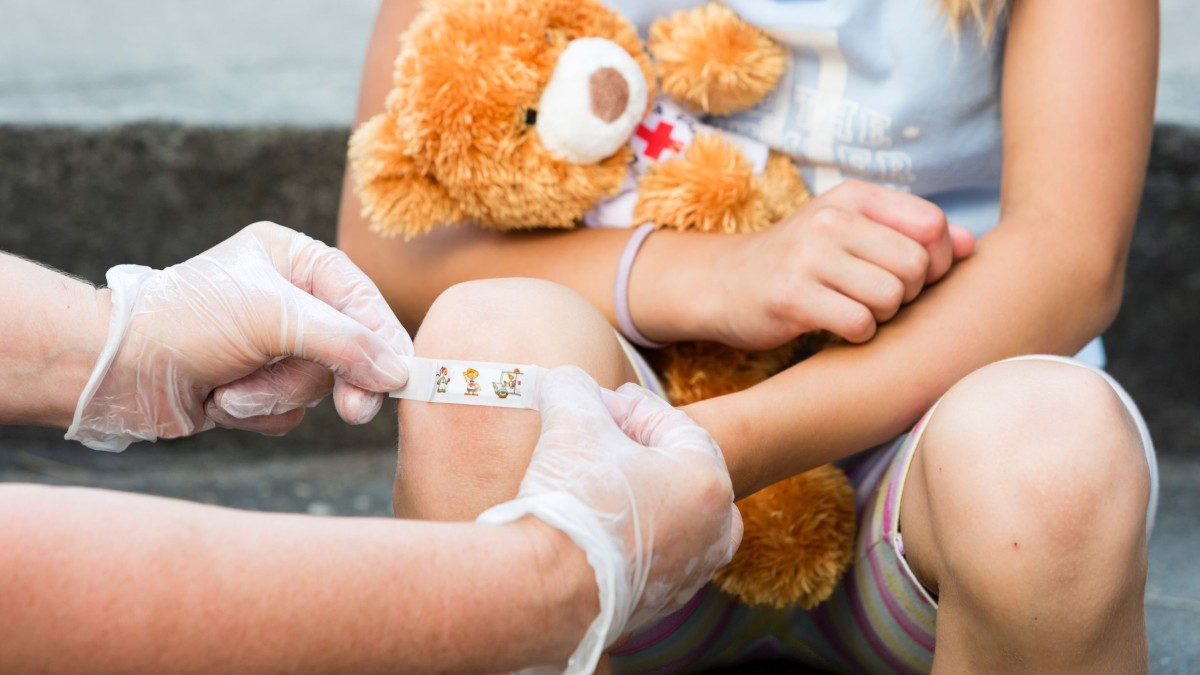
845,263
647,497
244,335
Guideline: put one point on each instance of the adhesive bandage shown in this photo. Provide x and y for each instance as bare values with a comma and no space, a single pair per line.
503,385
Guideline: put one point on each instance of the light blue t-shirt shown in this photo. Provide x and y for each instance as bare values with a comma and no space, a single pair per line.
878,90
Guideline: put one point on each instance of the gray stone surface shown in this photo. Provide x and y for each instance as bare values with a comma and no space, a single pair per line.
95,62
278,61
1179,65
1173,587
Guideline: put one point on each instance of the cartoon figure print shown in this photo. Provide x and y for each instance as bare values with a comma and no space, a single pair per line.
442,379
509,384
472,377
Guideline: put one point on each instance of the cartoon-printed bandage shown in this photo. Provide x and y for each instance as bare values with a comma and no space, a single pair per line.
505,385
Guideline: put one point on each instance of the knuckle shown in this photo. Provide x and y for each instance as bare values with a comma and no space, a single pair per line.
708,484
263,227
930,221
830,218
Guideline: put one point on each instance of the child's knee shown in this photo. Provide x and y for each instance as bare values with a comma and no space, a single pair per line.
455,461
1028,458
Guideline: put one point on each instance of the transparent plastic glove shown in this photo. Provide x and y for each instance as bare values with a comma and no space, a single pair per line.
244,335
640,488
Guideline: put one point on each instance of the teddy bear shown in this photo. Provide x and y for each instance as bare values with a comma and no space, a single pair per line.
521,114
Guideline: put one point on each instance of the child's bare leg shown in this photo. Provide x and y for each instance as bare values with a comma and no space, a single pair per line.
456,461
1025,509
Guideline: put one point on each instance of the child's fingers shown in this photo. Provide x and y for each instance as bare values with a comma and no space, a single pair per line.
867,284
962,240
891,251
833,311
916,218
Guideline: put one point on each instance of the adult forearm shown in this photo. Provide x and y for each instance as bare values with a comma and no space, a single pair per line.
98,581
53,327
1018,294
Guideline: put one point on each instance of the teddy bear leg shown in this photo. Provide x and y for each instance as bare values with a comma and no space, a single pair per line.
455,461
798,542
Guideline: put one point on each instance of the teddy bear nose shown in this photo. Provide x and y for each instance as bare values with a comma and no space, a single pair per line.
610,93
595,98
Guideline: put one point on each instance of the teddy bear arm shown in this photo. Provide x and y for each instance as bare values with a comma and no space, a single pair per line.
396,197
711,59
711,188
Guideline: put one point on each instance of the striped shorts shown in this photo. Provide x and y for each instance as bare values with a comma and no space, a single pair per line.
880,619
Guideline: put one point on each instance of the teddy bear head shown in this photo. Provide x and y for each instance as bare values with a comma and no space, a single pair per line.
508,114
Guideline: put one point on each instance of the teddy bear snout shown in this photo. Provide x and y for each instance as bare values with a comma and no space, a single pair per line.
593,102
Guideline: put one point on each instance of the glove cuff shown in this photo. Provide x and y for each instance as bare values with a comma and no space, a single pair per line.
91,424
572,517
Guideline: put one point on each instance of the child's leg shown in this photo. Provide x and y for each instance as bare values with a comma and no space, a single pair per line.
456,461
1041,450
1026,512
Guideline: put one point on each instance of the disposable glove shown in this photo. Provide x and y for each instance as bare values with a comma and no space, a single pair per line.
637,485
244,335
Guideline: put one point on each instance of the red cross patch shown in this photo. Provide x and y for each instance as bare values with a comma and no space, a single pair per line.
658,139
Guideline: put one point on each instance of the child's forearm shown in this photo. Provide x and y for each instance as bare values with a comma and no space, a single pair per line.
849,398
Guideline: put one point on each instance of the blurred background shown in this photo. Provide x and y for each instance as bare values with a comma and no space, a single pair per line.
145,131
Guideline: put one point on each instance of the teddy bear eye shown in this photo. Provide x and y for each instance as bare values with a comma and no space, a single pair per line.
530,117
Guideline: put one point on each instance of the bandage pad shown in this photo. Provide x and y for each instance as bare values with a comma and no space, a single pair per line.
503,385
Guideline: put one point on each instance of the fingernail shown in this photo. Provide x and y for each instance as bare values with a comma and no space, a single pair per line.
237,405
368,405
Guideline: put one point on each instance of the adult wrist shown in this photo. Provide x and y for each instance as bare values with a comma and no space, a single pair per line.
569,591
70,364
605,557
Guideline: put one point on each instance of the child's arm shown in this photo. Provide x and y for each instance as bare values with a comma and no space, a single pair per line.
1077,115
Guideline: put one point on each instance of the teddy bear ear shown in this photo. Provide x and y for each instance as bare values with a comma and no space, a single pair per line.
717,81
397,197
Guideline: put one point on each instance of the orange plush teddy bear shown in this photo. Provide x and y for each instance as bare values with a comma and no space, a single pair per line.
516,114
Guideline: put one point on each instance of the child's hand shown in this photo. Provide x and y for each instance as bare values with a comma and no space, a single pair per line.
845,262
